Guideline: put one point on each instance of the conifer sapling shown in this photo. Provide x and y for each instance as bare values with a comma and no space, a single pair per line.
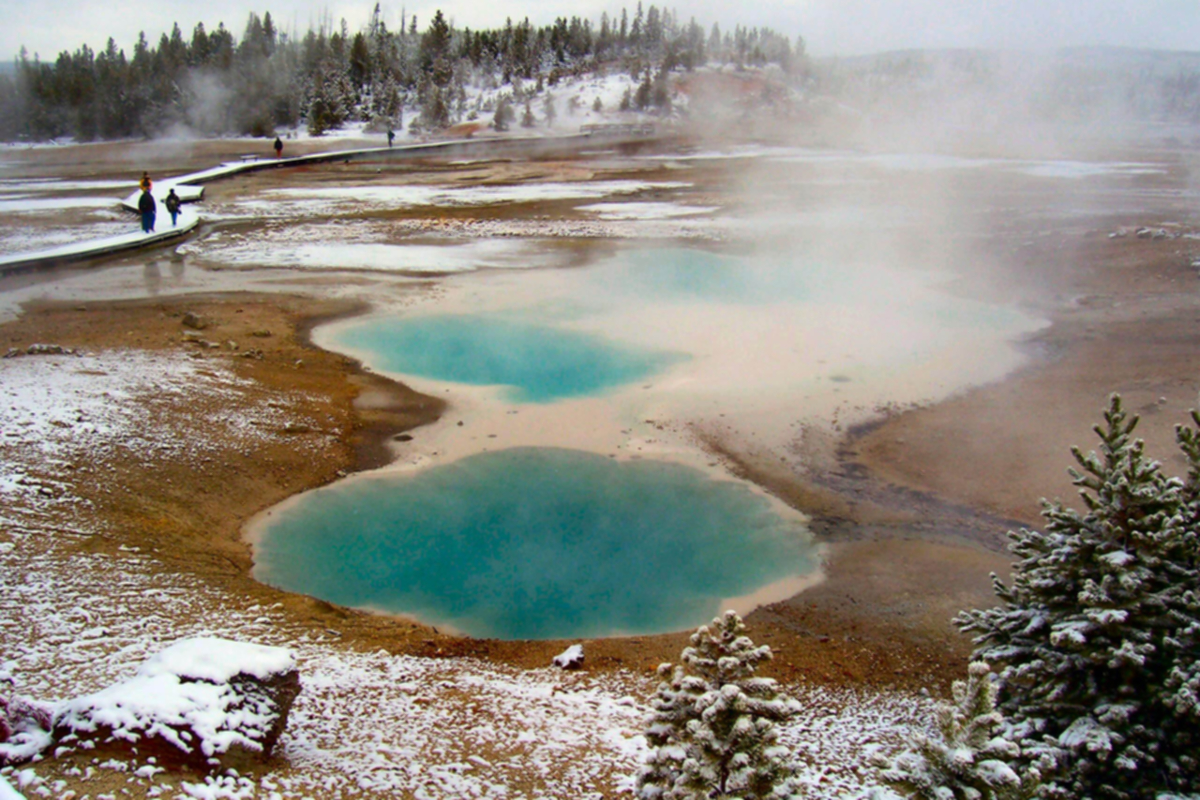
713,732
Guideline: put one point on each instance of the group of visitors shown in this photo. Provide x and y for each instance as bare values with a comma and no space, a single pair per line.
148,206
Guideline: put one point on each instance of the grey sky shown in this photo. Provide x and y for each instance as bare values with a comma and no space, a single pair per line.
829,26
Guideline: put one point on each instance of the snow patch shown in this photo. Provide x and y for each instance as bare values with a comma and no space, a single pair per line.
328,200
24,205
635,210
207,658
416,258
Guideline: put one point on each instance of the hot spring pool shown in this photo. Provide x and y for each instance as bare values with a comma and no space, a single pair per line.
538,363
536,543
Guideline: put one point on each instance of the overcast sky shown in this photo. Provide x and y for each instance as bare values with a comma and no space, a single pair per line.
829,26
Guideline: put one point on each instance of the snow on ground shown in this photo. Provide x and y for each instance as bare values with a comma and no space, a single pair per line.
634,210
9,185
319,201
184,695
447,245
61,414
1087,169
74,622
924,162
18,240
573,99
753,151
282,248
27,205
437,727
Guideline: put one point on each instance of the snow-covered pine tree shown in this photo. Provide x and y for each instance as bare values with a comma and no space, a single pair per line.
970,760
713,732
1097,638
504,114
1182,688
674,706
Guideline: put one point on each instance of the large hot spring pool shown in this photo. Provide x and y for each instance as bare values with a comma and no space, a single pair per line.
536,543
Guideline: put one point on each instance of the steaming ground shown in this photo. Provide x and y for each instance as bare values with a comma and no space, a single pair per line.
940,485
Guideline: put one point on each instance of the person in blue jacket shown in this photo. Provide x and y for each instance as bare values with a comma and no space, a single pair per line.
149,208
172,204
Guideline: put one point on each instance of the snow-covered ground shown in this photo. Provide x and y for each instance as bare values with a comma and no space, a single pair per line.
1069,169
10,185
636,210
27,204
322,201
437,727
74,622
62,413
46,236
281,251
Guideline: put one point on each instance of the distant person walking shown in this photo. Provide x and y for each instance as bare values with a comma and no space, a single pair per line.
149,208
278,147
391,136
144,183
172,204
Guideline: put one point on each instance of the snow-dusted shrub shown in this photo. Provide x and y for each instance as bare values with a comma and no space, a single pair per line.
713,730
970,758
1098,638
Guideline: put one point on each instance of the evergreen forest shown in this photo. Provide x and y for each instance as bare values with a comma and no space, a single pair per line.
213,83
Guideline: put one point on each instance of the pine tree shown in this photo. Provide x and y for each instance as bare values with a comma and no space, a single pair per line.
713,732
1098,638
1183,648
644,95
970,760
504,114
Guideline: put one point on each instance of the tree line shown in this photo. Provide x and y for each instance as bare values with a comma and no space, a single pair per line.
213,83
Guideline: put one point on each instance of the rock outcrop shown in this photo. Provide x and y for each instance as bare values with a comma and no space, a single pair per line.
207,704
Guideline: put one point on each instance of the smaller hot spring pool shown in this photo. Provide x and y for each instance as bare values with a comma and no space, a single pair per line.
538,363
536,543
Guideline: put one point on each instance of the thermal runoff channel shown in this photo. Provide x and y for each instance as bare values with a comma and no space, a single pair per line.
536,543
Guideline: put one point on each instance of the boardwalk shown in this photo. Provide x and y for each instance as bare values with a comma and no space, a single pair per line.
190,187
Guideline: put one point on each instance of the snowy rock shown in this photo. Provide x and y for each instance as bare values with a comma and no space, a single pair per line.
24,729
571,658
204,703
1153,233
7,792
47,350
